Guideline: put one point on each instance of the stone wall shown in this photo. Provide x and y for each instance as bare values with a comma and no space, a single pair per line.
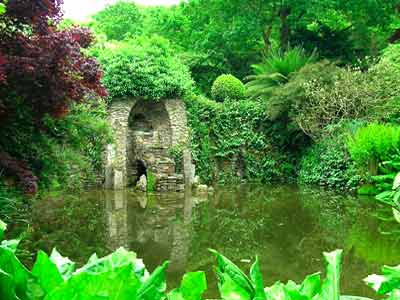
144,132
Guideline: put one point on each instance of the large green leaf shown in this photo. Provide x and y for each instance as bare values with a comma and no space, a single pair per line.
11,245
10,264
231,290
7,287
394,295
46,272
257,279
154,287
311,285
116,284
175,295
277,292
3,227
292,290
64,265
193,285
227,267
386,283
330,289
120,257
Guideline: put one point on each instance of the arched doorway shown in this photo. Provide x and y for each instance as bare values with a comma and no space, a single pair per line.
146,131
149,139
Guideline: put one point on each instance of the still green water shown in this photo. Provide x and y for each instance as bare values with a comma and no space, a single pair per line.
287,226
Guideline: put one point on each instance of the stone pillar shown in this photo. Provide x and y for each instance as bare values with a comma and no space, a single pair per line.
177,115
116,155
189,169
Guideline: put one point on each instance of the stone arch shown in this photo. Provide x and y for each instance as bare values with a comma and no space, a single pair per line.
149,138
145,131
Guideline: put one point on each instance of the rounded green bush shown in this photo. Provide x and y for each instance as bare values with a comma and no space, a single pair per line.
227,87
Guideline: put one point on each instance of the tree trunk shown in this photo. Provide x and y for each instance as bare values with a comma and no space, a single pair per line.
285,30
266,37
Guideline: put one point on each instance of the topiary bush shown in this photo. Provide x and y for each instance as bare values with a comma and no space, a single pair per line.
227,86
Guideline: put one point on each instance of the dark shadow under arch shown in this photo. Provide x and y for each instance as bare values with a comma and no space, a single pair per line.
141,170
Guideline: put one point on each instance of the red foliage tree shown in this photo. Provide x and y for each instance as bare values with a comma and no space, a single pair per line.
43,66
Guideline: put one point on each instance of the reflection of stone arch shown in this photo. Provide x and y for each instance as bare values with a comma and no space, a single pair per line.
144,130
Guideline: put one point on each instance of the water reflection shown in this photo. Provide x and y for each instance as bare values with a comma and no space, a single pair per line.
287,227
156,226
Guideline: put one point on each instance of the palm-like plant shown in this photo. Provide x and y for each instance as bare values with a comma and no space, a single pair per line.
275,70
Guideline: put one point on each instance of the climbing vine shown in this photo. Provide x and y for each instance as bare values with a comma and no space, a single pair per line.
232,141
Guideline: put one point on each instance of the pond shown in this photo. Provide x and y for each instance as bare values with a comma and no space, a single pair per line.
287,226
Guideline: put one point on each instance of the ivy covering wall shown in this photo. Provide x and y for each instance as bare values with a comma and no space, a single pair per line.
232,141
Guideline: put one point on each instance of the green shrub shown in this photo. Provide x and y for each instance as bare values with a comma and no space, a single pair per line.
176,152
288,99
372,144
384,77
68,154
143,67
322,94
227,87
327,163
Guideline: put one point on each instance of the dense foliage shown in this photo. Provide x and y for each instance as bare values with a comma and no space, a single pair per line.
144,68
42,72
118,21
235,140
328,163
219,37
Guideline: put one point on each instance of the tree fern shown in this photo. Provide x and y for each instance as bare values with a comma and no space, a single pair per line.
275,70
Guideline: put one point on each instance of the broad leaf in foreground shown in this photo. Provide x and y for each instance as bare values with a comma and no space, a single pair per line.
64,265
257,279
394,295
277,292
330,289
10,265
226,268
46,272
231,290
193,285
115,284
118,258
3,227
7,287
386,283
155,286
311,285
